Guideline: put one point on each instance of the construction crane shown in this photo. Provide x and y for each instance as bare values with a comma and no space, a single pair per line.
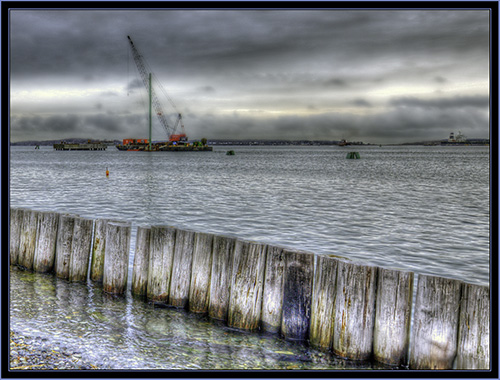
154,101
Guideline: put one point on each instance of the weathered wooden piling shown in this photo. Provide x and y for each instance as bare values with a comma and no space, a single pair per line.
245,302
45,250
98,249
297,293
63,245
16,222
391,337
272,298
181,268
323,302
354,311
27,239
80,249
199,290
435,323
141,261
116,257
161,256
474,328
221,277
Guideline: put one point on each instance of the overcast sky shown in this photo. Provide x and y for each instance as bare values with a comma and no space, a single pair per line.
377,76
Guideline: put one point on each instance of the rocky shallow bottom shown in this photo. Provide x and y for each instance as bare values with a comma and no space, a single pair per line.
28,353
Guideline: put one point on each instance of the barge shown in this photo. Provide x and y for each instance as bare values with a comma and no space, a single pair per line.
142,145
176,142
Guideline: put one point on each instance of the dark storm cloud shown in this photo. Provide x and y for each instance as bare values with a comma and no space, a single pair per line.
336,82
135,84
38,125
390,126
99,122
443,103
264,62
361,103
82,42
67,125
207,89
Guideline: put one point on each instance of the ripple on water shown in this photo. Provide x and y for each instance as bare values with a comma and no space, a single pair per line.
412,206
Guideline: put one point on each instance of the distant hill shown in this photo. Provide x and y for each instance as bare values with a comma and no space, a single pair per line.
244,142
445,141
69,141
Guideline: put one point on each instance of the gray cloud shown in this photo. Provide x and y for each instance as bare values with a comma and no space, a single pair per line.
360,103
109,93
135,84
443,103
336,82
37,125
207,89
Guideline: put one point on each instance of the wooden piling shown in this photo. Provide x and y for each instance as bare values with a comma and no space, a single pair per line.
27,239
435,323
141,261
354,311
323,302
98,249
221,277
199,290
161,256
80,249
474,328
245,302
45,250
63,245
393,316
357,311
16,222
116,257
272,298
297,293
181,268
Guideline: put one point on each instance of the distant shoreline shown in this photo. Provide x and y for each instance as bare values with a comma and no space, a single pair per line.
251,142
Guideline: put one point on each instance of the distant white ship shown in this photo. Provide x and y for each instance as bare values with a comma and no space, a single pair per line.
459,139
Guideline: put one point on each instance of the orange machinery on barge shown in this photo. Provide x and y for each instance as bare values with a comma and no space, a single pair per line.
176,143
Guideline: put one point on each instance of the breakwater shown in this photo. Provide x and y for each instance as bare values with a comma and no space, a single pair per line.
88,146
356,311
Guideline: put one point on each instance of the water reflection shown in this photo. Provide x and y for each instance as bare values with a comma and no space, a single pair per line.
127,333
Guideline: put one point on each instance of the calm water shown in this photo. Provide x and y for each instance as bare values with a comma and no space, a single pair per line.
424,209
127,333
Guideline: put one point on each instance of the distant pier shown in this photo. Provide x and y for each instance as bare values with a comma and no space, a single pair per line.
88,146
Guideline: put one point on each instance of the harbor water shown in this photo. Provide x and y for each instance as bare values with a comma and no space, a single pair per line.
423,209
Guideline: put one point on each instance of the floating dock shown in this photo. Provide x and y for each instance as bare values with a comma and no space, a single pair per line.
88,146
186,148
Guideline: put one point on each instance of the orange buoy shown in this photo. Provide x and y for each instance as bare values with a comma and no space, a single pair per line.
107,172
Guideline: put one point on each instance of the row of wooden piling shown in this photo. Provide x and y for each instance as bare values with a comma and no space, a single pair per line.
356,311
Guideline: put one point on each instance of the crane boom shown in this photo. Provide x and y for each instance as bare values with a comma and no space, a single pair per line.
141,67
